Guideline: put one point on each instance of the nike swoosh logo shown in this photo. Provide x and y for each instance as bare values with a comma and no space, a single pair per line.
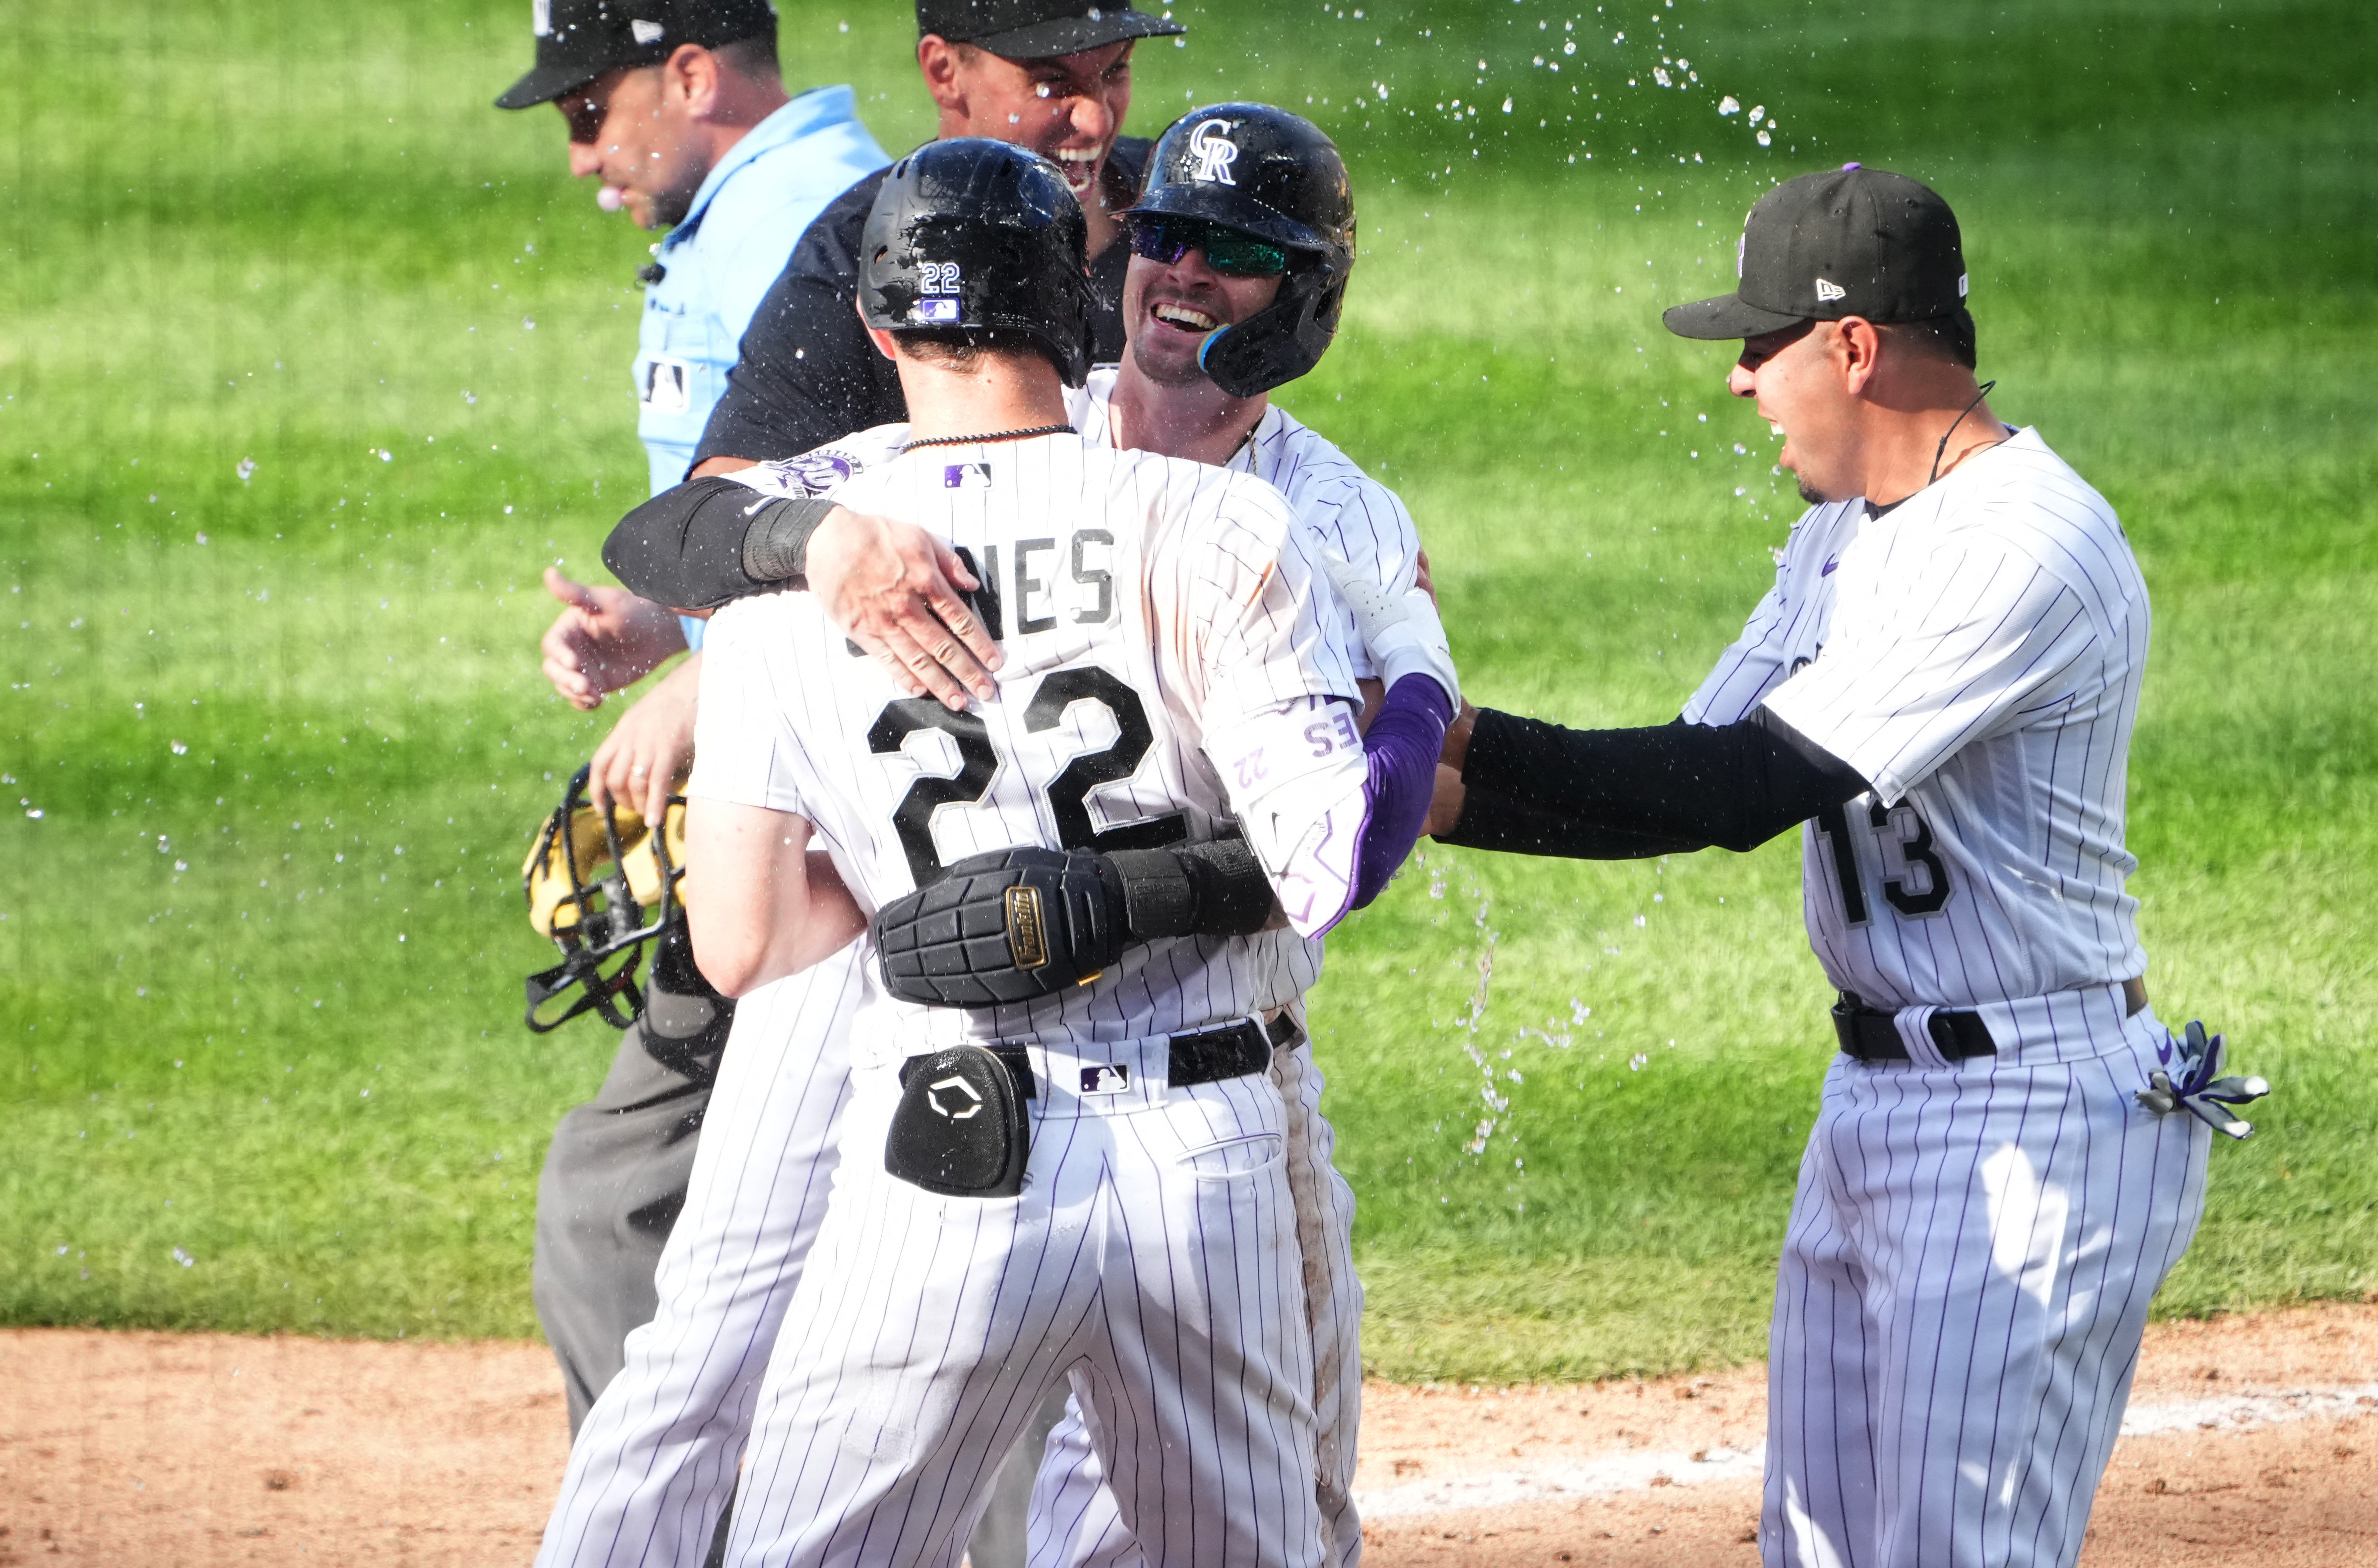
1831,562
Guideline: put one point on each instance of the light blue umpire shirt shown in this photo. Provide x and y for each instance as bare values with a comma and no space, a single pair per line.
719,262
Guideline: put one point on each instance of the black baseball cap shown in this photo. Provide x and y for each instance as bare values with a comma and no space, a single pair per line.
578,39
1851,241
1038,29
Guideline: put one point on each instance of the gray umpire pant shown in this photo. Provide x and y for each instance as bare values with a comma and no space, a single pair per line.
613,1182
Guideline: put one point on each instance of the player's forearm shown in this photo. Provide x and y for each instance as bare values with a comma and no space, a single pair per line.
708,541
1622,793
751,906
1400,747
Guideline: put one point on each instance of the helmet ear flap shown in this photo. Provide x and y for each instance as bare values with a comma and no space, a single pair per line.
1280,342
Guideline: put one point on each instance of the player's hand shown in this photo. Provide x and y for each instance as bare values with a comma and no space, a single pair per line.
1421,580
650,750
605,640
1444,805
896,591
1400,629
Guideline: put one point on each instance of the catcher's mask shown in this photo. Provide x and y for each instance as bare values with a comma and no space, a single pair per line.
601,884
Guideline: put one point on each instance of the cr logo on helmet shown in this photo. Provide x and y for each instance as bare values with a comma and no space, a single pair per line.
1215,152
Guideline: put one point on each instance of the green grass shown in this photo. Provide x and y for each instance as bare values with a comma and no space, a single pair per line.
260,950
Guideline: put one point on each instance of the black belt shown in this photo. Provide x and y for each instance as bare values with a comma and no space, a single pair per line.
1210,1055
1872,1033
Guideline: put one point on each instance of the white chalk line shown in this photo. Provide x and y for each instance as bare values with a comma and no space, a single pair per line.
1604,1474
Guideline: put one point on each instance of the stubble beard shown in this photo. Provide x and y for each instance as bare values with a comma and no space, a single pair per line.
1163,375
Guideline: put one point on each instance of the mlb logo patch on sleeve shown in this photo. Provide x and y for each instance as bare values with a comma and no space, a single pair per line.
966,477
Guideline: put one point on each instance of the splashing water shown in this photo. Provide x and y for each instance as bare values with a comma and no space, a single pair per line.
1495,1101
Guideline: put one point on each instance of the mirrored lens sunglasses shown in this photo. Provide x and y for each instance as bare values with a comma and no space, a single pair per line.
1230,251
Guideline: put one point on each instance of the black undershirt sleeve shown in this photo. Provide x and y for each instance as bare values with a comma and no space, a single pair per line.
708,541
1536,788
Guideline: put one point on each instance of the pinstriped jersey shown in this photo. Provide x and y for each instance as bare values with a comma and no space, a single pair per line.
1342,509
1975,652
1161,627
1339,508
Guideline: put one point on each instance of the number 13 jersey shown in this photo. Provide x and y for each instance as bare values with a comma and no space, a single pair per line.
1167,666
1975,653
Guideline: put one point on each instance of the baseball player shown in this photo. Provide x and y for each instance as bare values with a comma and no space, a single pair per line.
1091,1180
1941,687
678,107
1054,76
1285,234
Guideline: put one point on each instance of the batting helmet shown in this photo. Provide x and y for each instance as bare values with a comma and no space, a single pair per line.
976,233
1273,174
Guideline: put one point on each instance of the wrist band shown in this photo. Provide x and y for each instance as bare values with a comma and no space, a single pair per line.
777,545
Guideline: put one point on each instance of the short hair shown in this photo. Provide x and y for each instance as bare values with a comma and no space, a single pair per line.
754,58
958,347
1947,337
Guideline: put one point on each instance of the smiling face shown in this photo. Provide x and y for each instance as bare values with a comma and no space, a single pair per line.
1794,377
628,128
1067,109
1169,308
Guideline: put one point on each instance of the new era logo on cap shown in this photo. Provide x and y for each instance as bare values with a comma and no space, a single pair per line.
646,32
1828,292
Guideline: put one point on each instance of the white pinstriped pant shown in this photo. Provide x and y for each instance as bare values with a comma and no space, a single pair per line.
1963,1287
654,1463
657,1462
1153,1251
1074,1521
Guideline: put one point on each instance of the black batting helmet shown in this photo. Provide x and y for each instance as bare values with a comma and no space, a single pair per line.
1273,174
971,233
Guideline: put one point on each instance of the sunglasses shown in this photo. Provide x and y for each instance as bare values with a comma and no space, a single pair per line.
1231,252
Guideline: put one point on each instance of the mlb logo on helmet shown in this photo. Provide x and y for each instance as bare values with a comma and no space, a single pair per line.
1215,152
541,17
936,310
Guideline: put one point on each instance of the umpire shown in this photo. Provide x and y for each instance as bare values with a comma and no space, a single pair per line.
680,109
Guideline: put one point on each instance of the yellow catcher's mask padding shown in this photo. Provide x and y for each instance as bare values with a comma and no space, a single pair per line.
553,902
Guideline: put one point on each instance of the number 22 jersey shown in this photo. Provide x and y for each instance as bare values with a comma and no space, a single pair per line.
1169,670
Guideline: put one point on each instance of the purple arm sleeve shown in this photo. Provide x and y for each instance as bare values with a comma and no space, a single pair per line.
1401,747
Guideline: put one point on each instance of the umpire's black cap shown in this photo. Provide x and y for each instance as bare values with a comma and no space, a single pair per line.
578,39
1039,30
1851,241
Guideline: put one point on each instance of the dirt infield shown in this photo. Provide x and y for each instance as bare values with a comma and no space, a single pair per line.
2251,1440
